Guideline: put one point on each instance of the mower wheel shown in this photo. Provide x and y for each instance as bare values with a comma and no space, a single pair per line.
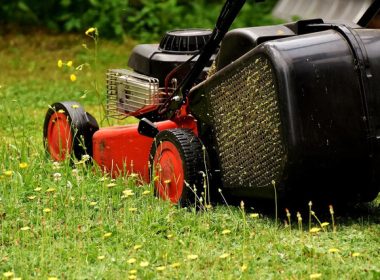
177,166
68,130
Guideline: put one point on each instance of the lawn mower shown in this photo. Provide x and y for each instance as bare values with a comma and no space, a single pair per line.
289,110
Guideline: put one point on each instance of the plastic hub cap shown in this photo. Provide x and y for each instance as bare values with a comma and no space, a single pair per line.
59,136
168,167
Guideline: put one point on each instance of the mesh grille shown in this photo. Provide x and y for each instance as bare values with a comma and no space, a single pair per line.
247,124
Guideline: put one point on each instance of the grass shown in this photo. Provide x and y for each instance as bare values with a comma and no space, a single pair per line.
72,223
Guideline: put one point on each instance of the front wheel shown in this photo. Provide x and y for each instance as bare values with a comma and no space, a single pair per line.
68,130
177,166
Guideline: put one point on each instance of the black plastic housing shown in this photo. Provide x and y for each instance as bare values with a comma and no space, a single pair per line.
326,90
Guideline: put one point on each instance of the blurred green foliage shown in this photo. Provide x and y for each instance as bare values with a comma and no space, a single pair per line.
145,20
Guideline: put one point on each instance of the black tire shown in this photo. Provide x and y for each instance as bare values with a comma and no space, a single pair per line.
82,127
192,158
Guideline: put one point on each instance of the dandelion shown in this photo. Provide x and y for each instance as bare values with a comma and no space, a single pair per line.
126,193
131,260
175,265
52,278
137,247
132,271
315,275
59,63
69,63
224,256
31,197
25,228
254,215
192,257
57,177
73,78
132,277
325,224
111,185
8,173
37,189
56,164
356,254
146,192
169,236
144,263
334,250
243,267
23,165
8,274
90,31
160,268
315,230
132,209
226,231
47,210
50,190
107,235
101,258
93,203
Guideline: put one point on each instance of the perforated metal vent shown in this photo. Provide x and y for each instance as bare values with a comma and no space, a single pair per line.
247,125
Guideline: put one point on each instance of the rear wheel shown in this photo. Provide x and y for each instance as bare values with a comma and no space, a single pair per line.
177,166
68,130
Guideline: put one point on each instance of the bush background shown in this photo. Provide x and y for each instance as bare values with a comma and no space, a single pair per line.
144,20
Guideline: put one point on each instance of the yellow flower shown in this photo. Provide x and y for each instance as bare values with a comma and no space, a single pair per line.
133,271
107,234
31,197
69,63
93,203
126,193
60,63
160,268
325,224
23,165
37,189
146,192
333,250
315,230
111,185
8,173
136,247
73,78
90,31
226,231
131,260
192,257
315,275
52,278
25,228
132,277
243,267
101,257
176,264
47,210
224,256
132,209
8,274
144,264
355,254
50,190
254,215
169,236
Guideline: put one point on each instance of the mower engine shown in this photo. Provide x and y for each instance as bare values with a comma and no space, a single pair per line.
148,86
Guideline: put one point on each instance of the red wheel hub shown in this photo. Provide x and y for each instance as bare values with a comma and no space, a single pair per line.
59,136
169,173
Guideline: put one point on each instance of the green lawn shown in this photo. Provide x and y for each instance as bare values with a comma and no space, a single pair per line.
72,223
